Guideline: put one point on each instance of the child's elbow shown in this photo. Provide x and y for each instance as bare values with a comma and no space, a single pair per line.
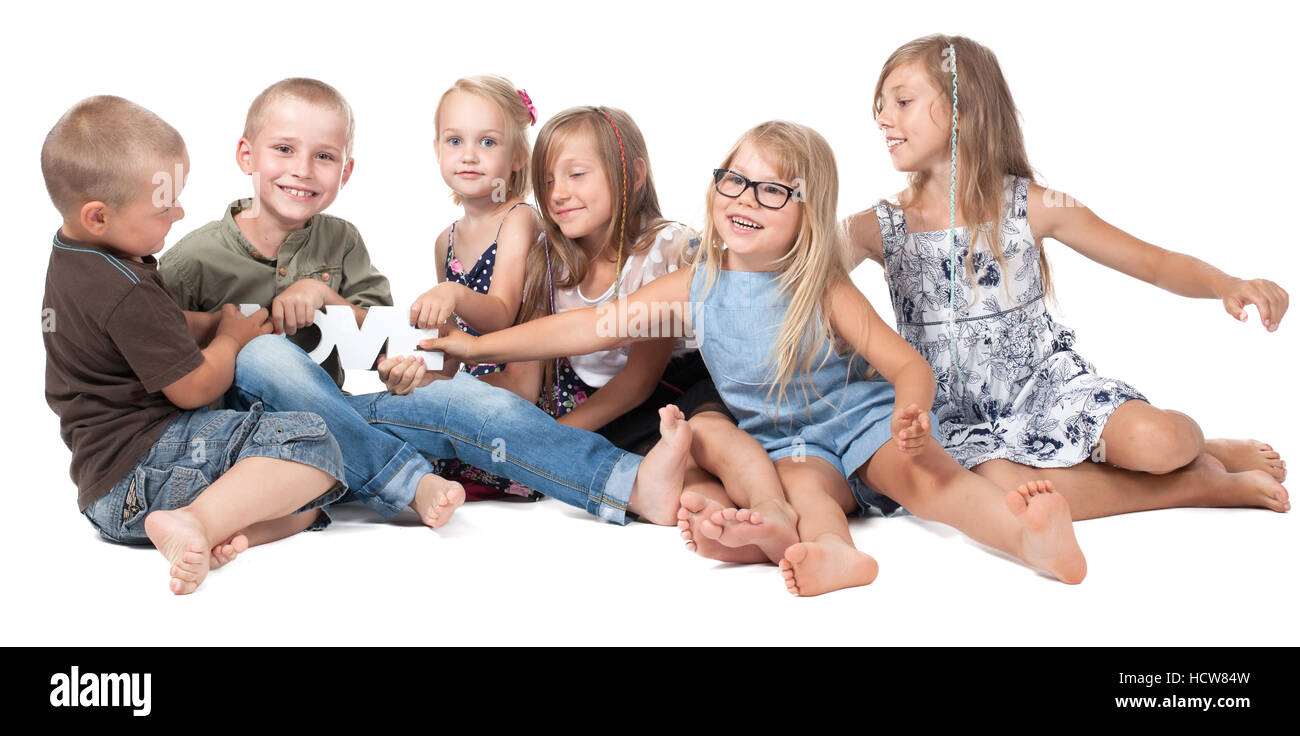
199,388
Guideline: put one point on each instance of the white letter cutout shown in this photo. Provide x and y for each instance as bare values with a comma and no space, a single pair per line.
358,347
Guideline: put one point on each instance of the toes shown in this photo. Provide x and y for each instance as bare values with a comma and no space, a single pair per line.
743,514
693,502
795,554
728,514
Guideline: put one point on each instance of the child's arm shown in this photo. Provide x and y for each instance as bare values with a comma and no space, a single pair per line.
864,238
205,384
1081,229
496,309
854,320
202,326
574,332
626,390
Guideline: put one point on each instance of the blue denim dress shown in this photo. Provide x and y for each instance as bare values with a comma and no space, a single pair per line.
834,414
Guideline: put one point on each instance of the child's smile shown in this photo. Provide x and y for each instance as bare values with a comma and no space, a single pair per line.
914,119
756,236
578,198
297,159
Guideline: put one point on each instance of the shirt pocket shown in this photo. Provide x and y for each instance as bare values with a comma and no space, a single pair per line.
331,276
737,342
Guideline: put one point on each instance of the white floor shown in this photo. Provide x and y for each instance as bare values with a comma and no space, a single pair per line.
503,573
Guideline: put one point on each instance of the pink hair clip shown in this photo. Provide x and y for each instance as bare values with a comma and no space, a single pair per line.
532,111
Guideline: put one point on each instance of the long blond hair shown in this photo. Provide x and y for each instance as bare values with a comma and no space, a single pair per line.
990,144
635,218
817,260
503,93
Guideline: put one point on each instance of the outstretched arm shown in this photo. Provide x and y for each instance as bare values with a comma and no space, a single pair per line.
1055,215
856,322
574,332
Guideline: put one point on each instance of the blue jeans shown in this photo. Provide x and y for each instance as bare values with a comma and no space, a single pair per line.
384,437
196,448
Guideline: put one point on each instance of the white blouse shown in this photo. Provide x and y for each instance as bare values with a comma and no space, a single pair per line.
662,257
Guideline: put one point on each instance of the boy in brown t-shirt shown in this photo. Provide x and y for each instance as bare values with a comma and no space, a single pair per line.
122,363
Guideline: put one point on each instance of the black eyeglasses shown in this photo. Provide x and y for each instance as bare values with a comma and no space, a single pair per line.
770,194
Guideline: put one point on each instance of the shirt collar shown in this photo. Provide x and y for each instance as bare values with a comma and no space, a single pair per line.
291,244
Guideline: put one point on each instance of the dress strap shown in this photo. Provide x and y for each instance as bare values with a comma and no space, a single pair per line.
892,228
1020,200
503,220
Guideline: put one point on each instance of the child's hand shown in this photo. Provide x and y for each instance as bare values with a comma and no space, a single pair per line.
911,429
242,329
435,306
404,373
1270,299
295,307
455,345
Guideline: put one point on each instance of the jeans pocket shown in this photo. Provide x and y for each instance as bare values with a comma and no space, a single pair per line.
160,490
278,428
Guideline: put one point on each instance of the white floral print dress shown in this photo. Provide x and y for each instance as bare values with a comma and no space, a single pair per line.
1024,394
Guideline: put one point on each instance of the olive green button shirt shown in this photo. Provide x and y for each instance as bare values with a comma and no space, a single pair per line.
216,265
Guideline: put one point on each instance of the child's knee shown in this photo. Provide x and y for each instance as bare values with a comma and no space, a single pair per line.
1166,441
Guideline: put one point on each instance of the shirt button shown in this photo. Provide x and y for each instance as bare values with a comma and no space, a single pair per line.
282,272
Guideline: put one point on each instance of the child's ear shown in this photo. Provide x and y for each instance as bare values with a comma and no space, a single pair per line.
347,172
244,155
639,166
92,218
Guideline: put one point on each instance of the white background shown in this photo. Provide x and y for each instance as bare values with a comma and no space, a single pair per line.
1176,122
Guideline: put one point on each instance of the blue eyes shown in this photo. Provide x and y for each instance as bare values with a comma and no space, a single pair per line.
456,140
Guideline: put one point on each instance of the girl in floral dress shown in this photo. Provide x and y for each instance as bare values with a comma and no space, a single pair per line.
1014,400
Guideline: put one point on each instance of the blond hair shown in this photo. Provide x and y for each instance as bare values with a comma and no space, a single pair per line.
505,95
990,145
303,89
635,217
816,261
99,149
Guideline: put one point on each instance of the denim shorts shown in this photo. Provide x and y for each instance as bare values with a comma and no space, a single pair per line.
870,502
196,448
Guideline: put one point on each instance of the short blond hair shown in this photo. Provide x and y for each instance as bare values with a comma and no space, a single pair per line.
98,150
311,91
505,95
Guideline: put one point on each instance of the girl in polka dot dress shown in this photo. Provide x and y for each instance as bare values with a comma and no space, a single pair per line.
484,157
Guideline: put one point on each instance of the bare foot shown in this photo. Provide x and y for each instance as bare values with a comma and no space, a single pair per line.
1047,538
656,494
436,499
694,513
1248,488
770,525
180,538
1239,456
813,568
227,551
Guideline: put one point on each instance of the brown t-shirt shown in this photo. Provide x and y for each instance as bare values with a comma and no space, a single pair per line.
113,339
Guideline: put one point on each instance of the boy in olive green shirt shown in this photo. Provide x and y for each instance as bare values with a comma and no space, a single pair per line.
277,249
